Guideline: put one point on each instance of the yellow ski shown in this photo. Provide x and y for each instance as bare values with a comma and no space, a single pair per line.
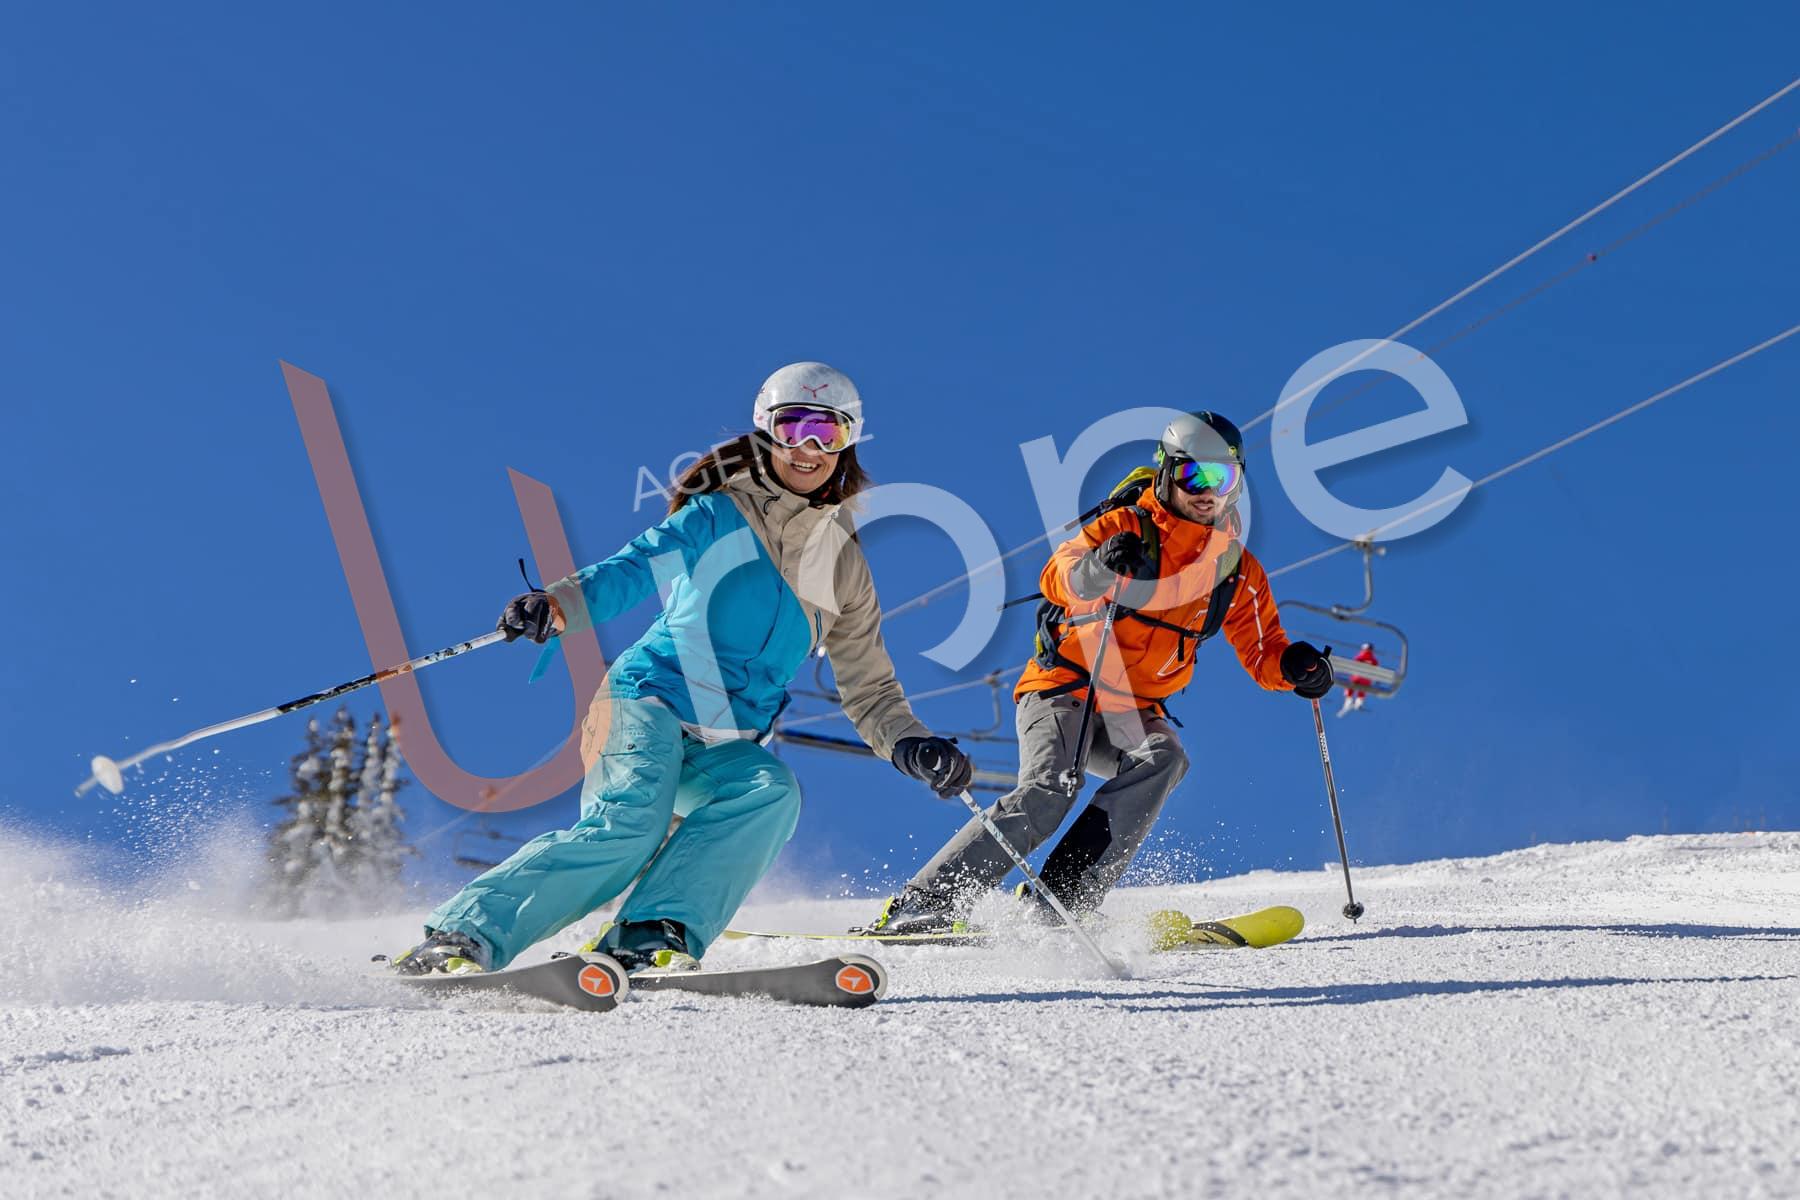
1169,930
1172,930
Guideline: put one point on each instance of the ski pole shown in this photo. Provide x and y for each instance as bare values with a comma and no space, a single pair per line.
1353,910
1075,774
1031,877
109,774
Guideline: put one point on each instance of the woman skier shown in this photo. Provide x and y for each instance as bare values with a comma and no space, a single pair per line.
760,566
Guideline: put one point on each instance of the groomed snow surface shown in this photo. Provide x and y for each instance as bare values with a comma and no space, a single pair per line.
1586,1020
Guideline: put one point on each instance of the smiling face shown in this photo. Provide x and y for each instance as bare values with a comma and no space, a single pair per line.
1204,507
802,469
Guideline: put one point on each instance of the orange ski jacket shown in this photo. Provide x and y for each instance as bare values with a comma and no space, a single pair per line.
1146,664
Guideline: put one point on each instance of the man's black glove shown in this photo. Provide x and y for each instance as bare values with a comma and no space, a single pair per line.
531,615
1309,671
936,762
1123,555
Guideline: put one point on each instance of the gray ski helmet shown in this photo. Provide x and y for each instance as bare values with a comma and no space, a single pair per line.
1203,437
1200,436
813,384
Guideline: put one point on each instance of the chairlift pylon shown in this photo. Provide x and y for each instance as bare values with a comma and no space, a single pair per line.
1388,642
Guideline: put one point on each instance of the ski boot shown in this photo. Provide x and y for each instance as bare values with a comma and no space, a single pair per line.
445,952
915,911
1037,910
659,946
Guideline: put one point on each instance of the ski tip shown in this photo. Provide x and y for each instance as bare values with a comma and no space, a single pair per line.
1172,930
861,979
602,978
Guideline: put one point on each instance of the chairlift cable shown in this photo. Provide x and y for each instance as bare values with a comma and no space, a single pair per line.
1545,452
1510,263
1586,260
931,594
993,678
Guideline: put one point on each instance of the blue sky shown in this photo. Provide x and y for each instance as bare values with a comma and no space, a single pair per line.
573,242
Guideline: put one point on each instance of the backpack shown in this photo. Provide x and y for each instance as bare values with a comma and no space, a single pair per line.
1053,621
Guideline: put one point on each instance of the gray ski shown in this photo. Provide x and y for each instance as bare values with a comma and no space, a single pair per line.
591,982
843,981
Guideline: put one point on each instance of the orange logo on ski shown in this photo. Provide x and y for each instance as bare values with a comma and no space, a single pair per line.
596,981
855,980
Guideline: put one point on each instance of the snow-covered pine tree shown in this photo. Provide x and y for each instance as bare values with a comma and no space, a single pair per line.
340,842
381,849
291,857
335,852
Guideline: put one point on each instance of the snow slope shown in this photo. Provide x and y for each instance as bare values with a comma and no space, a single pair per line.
1583,1020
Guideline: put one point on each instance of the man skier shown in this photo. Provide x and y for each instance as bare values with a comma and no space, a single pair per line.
1166,551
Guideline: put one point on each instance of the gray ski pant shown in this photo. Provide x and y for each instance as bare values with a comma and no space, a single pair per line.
1137,753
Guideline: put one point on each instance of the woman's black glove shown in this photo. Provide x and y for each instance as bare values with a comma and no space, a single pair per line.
936,762
1309,671
1123,555
533,615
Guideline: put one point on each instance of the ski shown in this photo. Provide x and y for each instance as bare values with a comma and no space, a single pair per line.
1170,930
1175,931
590,982
843,981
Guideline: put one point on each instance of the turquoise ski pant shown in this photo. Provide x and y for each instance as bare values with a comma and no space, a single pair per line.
741,804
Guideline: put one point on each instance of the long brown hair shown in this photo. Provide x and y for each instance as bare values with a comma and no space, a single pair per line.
751,451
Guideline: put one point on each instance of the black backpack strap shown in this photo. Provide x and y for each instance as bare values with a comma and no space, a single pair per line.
1049,655
1223,593
1220,604
1052,619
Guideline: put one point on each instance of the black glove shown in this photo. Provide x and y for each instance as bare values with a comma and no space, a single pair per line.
1121,555
531,615
1309,671
1124,554
936,762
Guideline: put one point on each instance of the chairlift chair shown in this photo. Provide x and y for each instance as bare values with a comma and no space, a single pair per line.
1350,625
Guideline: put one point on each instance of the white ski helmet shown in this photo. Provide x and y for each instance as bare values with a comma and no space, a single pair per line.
813,384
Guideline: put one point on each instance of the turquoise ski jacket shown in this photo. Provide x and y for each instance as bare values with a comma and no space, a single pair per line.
753,578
